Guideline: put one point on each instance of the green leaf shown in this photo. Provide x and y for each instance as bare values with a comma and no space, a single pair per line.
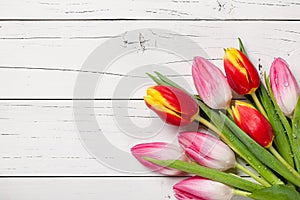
242,48
168,81
156,80
163,80
281,140
285,123
262,154
296,134
241,149
276,192
213,174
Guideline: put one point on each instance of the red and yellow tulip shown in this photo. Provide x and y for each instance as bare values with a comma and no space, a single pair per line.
252,122
242,76
172,104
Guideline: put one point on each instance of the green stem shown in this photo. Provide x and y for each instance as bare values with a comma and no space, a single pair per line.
216,130
241,193
258,104
254,176
229,111
209,125
281,159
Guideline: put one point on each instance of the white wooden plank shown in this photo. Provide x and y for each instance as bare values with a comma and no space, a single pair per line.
158,9
89,188
43,59
42,137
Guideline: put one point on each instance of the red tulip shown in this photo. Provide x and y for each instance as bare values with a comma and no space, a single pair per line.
211,84
242,76
197,188
284,86
172,105
160,151
252,122
207,150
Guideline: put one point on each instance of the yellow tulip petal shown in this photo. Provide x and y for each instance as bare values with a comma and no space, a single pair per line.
236,113
157,96
157,105
236,60
243,103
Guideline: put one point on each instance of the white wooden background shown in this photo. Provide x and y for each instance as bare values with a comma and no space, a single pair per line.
43,44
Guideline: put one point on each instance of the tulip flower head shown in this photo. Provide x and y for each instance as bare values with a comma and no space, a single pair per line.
160,151
211,84
242,76
252,122
198,188
284,86
207,150
172,104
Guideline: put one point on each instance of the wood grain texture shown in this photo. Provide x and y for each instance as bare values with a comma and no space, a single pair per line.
43,59
44,137
143,9
46,140
89,188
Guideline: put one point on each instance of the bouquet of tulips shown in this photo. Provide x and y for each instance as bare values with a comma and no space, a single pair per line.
263,130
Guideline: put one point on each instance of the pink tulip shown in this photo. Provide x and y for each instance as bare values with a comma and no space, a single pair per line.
284,86
207,150
198,188
160,151
211,84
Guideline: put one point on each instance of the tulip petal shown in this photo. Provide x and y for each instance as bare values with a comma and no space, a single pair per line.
207,150
172,105
161,151
284,86
156,96
197,188
242,76
253,123
160,108
211,84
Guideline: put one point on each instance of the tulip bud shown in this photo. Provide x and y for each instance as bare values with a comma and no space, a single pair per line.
198,188
252,122
211,84
207,150
159,151
242,76
172,104
284,86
